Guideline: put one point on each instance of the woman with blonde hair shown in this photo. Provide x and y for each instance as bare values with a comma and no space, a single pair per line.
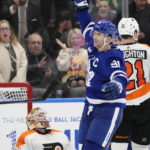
13,61
75,33
72,60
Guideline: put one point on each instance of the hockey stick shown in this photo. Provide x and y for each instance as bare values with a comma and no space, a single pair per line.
42,98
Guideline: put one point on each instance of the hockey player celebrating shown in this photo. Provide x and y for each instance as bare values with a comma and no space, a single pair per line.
136,119
105,83
39,137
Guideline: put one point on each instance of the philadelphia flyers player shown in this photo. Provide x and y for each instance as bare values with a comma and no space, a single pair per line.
40,137
135,126
105,82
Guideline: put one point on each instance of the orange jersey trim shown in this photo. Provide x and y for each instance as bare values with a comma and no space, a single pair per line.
145,45
121,137
55,130
138,93
23,136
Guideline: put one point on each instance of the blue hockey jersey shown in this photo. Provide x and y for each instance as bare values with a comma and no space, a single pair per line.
103,67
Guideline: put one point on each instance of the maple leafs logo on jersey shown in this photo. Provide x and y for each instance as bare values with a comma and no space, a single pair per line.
90,74
115,64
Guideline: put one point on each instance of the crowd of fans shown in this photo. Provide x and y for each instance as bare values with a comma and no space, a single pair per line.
41,39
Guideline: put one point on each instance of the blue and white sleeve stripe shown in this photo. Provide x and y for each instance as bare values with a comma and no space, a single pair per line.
118,73
88,29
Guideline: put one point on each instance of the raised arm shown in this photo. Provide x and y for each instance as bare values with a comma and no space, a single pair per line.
82,13
84,19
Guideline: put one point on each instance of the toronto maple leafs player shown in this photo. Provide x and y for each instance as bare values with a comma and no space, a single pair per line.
105,84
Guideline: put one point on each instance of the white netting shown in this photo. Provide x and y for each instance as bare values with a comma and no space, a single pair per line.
13,93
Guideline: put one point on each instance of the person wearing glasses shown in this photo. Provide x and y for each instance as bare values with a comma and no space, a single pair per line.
13,61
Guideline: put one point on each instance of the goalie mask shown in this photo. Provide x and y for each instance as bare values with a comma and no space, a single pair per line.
37,118
128,26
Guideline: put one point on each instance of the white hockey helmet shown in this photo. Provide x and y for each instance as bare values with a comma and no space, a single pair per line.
37,118
128,26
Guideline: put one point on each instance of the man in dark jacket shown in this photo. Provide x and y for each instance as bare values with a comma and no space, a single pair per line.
12,10
41,68
140,10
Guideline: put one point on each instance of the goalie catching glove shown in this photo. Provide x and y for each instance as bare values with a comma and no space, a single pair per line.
111,89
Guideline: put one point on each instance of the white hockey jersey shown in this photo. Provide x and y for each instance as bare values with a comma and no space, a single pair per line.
32,140
137,61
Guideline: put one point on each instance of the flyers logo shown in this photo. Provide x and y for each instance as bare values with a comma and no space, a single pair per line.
115,64
53,146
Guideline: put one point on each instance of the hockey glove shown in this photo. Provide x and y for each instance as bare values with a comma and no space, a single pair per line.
81,5
111,89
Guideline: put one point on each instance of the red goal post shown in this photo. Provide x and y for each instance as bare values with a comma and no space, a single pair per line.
16,91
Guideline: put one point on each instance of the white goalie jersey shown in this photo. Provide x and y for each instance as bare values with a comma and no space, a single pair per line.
137,61
54,140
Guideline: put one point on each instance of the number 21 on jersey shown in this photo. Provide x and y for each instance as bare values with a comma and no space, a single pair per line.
137,80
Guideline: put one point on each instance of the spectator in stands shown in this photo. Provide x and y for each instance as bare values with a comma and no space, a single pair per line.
103,11
13,61
0,8
41,68
73,60
25,18
140,10
115,4
64,22
40,136
49,9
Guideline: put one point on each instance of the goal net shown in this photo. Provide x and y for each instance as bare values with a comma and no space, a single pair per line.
15,91
13,116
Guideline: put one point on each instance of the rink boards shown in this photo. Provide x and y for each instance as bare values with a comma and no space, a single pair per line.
64,114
